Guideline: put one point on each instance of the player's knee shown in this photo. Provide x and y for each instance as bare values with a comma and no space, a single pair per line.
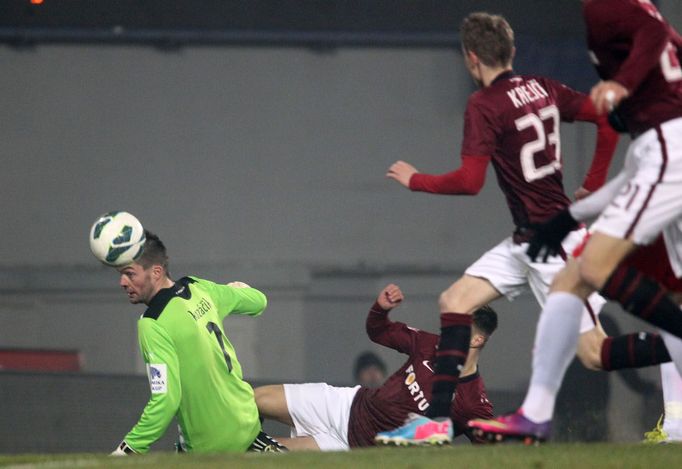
593,274
265,398
591,359
590,348
465,296
568,280
450,299
260,394
272,403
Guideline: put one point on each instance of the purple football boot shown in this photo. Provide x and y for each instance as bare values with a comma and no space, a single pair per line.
511,427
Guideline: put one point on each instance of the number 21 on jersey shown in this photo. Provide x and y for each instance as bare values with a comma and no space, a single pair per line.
541,143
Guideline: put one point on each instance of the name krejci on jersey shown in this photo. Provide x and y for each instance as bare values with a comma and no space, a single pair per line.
415,389
203,308
527,93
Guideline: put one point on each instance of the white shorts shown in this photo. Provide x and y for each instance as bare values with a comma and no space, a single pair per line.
650,198
511,272
322,412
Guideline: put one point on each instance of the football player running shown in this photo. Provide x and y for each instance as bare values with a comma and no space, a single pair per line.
512,121
637,54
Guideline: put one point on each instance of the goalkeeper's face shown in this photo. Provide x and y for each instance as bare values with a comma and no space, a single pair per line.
138,283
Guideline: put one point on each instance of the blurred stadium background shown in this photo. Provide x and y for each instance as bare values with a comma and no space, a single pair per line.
253,137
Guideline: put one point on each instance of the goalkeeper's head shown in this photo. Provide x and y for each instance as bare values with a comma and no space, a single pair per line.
154,253
142,279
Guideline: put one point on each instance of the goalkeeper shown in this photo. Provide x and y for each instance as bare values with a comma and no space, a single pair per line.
192,367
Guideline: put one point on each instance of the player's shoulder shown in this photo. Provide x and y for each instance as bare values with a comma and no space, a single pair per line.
613,10
613,5
547,82
425,342
484,101
476,98
180,289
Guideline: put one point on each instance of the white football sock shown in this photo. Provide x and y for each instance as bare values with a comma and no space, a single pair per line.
556,340
672,388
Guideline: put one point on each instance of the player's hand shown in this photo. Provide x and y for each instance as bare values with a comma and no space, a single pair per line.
122,450
546,241
401,172
606,95
581,193
390,297
238,285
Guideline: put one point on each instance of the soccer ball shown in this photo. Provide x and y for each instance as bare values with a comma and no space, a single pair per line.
117,238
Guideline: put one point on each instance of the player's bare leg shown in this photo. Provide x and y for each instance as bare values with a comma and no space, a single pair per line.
600,258
272,403
598,268
590,347
457,304
644,297
467,294
599,352
556,342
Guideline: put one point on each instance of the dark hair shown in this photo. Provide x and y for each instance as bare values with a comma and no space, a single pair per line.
489,37
485,321
153,253
366,360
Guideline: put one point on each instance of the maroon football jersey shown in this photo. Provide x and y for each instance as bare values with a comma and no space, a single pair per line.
631,43
516,121
409,388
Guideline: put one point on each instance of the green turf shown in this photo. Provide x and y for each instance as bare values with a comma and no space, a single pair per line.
497,457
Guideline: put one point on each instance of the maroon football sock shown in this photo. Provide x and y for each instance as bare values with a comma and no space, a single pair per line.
455,335
645,298
633,351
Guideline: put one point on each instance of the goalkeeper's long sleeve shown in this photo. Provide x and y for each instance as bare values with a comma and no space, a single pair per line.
164,379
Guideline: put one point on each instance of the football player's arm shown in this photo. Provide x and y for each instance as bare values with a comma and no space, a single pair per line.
650,37
161,359
605,147
236,298
382,330
468,179
478,145
648,34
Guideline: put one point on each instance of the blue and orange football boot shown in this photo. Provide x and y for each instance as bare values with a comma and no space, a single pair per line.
418,430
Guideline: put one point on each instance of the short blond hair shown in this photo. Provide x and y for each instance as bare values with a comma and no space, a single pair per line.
489,37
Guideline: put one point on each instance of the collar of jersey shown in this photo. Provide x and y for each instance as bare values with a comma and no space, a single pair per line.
470,377
503,76
161,299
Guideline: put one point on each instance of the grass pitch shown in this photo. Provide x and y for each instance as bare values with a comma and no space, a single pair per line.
489,456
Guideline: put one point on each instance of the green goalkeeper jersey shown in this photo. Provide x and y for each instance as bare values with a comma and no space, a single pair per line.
193,369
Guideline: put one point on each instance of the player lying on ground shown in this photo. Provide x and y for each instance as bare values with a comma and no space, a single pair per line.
193,370
331,418
512,121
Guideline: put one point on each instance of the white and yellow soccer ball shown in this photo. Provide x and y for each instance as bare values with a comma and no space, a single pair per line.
117,238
